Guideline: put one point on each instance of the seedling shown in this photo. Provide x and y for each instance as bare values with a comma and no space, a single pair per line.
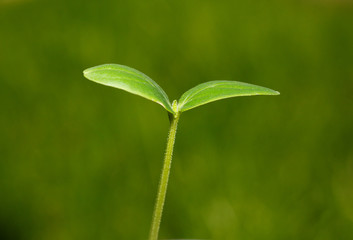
135,82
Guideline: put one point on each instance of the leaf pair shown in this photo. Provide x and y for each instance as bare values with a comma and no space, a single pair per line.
133,81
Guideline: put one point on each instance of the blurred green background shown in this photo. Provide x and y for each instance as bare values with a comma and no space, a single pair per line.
80,160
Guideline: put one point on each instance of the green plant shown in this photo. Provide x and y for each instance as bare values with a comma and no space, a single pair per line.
135,82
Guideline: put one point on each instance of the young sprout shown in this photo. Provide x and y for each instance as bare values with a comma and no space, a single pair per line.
133,81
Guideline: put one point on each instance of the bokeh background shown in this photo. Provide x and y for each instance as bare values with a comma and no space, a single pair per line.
80,160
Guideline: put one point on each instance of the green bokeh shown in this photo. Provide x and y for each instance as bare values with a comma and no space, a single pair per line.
81,161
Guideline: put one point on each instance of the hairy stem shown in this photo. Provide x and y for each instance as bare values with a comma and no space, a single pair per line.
163,184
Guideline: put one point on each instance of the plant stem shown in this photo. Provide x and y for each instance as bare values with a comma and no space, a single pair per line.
163,184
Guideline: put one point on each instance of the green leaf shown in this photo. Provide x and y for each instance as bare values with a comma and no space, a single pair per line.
216,90
130,80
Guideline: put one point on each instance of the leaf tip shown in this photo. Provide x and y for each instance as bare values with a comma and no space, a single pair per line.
86,72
